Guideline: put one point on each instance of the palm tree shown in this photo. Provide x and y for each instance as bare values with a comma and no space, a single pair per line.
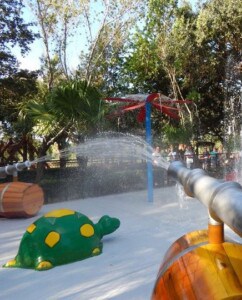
71,108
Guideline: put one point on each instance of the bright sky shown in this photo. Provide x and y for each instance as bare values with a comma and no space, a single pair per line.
32,60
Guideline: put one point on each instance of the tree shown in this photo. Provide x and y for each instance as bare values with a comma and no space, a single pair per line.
101,28
219,26
14,90
57,22
113,21
70,109
15,84
186,54
141,70
153,64
13,32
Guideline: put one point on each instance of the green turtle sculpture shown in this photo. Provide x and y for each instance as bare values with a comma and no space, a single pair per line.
59,237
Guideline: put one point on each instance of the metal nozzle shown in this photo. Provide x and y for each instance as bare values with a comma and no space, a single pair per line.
13,169
222,198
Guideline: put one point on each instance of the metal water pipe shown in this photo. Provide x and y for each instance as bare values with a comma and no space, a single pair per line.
203,264
14,169
222,198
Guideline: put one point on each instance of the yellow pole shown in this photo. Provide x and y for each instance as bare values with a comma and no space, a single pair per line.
215,231
15,176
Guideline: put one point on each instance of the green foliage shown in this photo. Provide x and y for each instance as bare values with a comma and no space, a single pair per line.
177,135
77,99
195,49
218,37
142,69
13,32
175,51
71,104
220,22
15,84
14,90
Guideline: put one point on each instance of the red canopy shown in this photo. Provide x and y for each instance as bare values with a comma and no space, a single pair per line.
159,102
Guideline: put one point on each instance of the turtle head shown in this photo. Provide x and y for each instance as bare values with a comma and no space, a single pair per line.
108,225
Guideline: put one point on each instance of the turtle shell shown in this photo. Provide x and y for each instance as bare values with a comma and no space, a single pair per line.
59,237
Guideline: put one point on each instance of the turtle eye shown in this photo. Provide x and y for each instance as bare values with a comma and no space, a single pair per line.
87,230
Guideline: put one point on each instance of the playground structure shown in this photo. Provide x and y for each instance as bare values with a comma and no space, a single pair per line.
203,264
144,103
59,237
19,199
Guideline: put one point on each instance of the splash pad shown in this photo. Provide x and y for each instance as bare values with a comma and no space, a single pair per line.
214,258
157,222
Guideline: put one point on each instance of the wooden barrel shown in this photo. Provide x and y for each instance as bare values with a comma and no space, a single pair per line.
20,199
194,269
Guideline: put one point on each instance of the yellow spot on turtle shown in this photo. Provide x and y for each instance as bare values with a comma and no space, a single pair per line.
52,239
58,213
31,228
44,265
10,263
96,251
87,230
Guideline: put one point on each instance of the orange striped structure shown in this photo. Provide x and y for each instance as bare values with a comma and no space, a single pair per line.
195,269
20,199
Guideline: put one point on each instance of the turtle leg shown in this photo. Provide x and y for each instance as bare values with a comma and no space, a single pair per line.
10,264
97,250
44,265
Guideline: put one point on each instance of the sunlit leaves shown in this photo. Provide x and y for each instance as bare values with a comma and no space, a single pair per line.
70,103
221,20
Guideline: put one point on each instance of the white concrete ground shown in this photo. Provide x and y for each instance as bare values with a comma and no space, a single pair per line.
131,255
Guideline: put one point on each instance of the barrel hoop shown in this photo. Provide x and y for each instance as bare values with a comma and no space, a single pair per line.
176,257
2,195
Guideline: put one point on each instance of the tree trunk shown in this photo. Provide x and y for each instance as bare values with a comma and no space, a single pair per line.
41,164
62,144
